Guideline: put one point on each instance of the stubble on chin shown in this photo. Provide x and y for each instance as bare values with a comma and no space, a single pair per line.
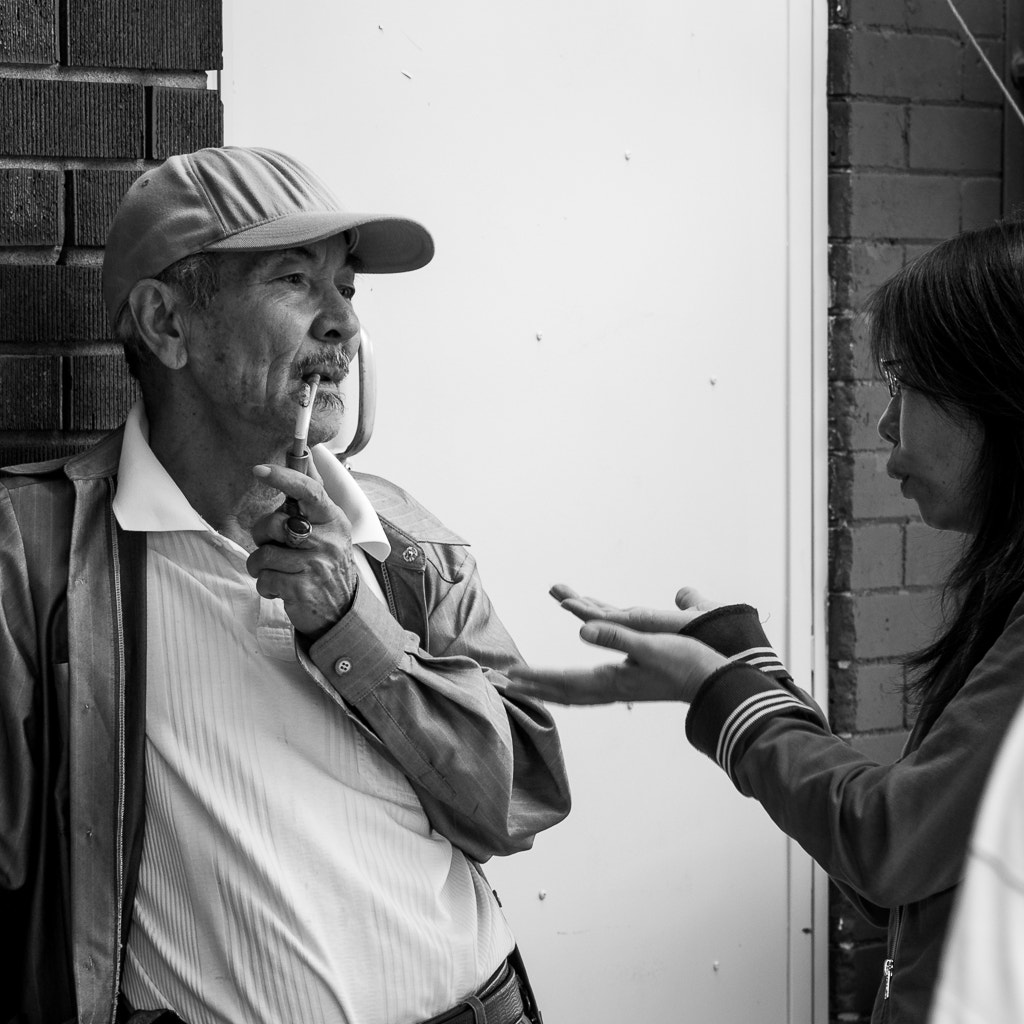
328,417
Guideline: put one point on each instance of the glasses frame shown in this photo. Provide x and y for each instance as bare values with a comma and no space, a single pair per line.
890,374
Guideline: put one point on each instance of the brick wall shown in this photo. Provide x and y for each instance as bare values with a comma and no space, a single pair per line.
915,153
91,93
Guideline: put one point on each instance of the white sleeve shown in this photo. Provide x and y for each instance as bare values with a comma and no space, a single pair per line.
982,976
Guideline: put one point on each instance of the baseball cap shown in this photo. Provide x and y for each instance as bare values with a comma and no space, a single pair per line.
237,199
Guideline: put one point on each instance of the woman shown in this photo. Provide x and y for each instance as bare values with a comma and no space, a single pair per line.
946,332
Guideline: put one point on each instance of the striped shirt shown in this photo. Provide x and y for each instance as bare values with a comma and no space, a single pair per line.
289,872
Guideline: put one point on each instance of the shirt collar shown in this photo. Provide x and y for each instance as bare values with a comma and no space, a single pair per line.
149,500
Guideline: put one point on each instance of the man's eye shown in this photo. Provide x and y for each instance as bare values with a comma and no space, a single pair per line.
348,291
293,278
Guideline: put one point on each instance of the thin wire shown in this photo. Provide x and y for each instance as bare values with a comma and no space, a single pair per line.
985,60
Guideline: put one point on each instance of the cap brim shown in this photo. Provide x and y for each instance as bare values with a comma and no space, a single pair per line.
386,244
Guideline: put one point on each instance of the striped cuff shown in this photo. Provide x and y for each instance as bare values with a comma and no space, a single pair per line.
735,631
732,708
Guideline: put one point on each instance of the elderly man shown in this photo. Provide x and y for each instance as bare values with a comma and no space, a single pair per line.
253,756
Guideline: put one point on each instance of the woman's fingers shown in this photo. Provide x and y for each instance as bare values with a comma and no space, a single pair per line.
647,620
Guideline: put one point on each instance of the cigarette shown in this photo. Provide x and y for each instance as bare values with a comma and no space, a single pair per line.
305,411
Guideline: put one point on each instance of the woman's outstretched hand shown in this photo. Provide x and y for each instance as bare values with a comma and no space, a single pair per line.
659,664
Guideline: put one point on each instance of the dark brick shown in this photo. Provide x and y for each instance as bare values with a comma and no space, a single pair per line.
890,625
30,393
102,392
857,268
879,698
840,487
867,699
978,84
849,351
838,83
51,303
982,16
841,632
95,196
867,134
842,697
893,206
840,547
70,119
840,203
893,65
854,411
31,207
982,203
946,138
183,120
28,33
876,556
171,34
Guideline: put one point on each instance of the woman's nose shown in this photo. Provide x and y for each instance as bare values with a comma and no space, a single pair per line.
889,423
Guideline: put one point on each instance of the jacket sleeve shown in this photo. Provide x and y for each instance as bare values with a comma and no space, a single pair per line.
488,769
19,750
892,833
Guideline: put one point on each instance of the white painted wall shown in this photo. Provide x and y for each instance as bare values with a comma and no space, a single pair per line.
604,378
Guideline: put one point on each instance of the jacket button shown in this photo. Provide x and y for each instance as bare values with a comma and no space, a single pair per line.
342,665
410,554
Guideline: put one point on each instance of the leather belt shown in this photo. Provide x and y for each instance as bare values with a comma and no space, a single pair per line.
499,1002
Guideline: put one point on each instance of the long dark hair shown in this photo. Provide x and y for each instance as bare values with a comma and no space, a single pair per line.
954,318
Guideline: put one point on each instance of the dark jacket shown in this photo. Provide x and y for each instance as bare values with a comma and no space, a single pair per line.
72,707
893,836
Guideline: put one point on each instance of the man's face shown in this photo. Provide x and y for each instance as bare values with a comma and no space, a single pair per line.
278,318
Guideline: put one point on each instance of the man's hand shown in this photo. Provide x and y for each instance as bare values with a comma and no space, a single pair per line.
659,664
316,581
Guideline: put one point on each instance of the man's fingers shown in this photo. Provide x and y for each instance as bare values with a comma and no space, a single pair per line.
309,492
276,558
272,583
270,529
567,685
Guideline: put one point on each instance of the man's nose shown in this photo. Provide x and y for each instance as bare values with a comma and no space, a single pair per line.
336,321
889,422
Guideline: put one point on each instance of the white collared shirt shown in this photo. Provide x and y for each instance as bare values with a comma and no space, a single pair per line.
289,872
149,501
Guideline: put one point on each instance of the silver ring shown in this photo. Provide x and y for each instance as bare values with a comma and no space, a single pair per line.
298,530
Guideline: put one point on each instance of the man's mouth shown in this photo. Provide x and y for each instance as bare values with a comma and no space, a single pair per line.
331,373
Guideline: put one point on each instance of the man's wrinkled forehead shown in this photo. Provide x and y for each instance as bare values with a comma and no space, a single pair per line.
256,263
260,263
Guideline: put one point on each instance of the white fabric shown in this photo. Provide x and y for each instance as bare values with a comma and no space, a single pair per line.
149,501
982,977
289,872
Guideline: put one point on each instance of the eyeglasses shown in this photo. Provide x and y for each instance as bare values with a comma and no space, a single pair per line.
890,370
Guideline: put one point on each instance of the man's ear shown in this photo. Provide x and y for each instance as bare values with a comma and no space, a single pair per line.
158,310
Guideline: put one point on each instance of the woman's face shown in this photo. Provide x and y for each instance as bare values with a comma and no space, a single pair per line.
934,456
